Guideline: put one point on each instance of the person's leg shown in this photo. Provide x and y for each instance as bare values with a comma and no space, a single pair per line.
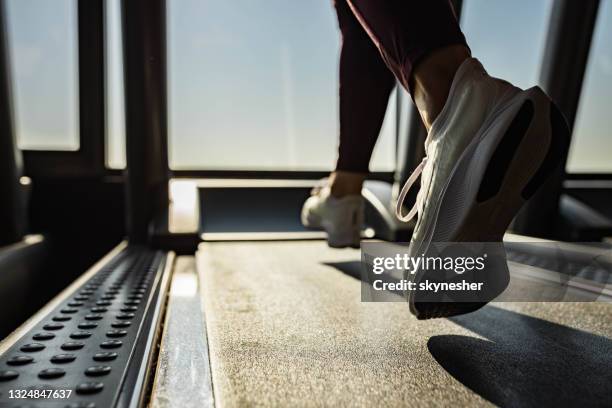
365,86
422,44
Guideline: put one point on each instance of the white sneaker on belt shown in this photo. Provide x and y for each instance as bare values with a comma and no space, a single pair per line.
492,146
341,218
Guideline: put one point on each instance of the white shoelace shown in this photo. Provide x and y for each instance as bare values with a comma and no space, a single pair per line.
460,75
417,207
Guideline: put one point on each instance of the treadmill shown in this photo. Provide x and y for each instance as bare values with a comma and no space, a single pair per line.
218,296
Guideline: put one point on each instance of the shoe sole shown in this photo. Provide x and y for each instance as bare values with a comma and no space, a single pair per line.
500,170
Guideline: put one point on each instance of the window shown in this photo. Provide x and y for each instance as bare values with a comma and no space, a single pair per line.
43,50
252,87
591,147
115,109
508,37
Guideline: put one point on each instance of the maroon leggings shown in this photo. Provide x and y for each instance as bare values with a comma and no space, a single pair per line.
382,40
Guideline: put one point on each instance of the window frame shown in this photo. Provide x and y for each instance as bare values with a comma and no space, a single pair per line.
577,177
89,158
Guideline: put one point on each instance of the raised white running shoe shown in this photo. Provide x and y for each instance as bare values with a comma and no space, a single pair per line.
341,218
488,151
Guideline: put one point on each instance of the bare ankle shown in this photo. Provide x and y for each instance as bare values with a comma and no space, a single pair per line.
432,79
343,183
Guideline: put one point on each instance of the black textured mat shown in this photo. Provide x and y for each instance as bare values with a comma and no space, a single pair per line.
84,352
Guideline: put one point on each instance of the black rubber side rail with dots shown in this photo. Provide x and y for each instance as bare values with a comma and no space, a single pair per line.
94,345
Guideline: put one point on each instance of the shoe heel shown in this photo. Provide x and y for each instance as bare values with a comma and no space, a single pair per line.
557,149
539,154
520,165
348,237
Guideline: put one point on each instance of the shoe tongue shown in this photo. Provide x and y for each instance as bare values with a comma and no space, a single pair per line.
470,68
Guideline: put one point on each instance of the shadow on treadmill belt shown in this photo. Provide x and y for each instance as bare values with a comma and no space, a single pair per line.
526,361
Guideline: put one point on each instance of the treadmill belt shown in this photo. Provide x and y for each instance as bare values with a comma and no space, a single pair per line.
286,327
89,350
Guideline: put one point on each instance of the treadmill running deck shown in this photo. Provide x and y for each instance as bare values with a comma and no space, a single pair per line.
286,327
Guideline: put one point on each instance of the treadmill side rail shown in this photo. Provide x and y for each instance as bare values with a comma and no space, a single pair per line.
96,340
